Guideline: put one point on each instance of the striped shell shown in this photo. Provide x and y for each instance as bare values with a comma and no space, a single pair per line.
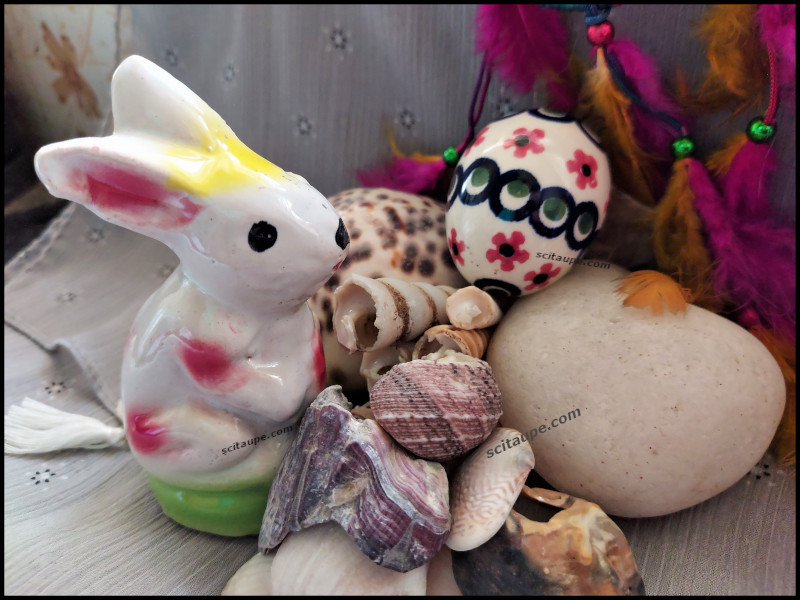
438,409
485,487
471,342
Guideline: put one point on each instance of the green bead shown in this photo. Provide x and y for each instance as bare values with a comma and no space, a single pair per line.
683,147
759,132
450,156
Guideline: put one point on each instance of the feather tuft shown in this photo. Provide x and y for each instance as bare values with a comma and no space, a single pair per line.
642,75
405,175
526,43
777,25
743,170
607,108
653,290
678,237
738,64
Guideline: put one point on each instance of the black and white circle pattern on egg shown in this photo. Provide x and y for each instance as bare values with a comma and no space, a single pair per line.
537,176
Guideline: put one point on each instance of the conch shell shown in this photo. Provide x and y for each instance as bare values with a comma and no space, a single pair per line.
472,308
373,313
579,551
471,342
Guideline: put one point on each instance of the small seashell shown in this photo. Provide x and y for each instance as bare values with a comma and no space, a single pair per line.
324,561
343,469
373,313
363,412
486,486
472,308
254,578
471,342
438,409
376,363
579,551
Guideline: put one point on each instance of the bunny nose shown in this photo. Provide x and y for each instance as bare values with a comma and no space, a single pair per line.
342,239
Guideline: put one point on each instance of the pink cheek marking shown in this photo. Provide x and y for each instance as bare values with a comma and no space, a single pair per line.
145,437
210,366
140,200
319,360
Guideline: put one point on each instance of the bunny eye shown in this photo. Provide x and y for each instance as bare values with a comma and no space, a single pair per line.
262,236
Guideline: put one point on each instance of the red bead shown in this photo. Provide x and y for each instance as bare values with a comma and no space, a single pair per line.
600,34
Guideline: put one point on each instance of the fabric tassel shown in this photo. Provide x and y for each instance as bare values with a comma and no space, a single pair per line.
738,65
526,43
35,428
609,110
678,239
659,117
784,444
777,26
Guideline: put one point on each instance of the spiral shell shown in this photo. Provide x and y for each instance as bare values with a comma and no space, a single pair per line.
485,487
376,363
472,308
471,342
438,409
373,313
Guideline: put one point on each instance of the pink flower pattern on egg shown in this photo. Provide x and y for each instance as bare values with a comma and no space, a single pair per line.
456,246
479,139
525,140
586,167
507,250
542,278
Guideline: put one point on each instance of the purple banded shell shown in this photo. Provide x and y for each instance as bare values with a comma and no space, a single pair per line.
438,409
343,469
485,487
579,551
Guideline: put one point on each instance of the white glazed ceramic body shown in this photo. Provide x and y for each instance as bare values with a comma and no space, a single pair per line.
227,350
526,200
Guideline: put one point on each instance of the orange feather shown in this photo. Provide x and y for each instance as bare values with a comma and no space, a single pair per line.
653,290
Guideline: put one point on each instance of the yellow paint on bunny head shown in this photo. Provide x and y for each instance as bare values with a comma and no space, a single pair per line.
223,163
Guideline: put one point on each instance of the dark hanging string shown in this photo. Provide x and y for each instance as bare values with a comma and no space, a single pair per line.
478,100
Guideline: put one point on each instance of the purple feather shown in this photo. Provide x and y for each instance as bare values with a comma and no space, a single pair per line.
777,24
404,175
754,259
641,73
525,43
746,185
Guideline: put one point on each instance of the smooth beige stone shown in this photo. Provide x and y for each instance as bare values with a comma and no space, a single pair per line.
674,409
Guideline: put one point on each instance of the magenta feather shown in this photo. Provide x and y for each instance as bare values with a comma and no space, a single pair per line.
754,259
777,24
746,184
404,175
641,73
525,43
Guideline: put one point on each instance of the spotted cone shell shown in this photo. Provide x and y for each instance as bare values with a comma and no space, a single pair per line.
438,409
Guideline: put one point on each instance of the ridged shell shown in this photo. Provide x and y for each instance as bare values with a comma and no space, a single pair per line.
343,469
579,551
485,487
438,409
369,314
471,342
324,561
472,308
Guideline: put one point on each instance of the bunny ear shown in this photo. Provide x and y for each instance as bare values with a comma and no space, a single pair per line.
146,99
121,179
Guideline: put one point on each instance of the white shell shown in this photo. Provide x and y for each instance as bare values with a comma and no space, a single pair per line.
485,487
323,560
472,308
254,578
376,363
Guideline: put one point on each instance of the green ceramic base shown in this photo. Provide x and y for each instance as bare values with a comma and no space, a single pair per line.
230,512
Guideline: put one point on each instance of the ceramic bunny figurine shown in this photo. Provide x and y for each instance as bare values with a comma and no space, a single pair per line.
225,356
